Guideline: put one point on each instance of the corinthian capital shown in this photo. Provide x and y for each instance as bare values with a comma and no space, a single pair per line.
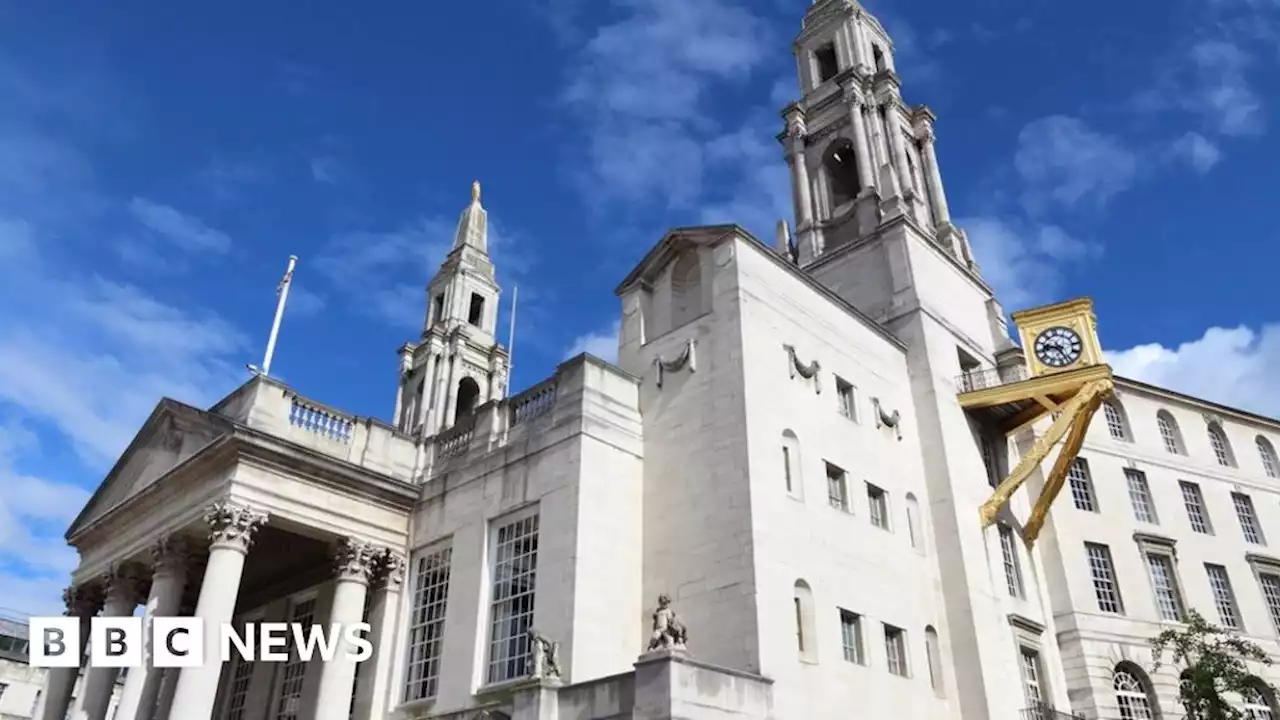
353,560
390,569
233,526
127,581
83,600
170,554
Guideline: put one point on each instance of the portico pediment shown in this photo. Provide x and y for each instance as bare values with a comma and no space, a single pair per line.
173,433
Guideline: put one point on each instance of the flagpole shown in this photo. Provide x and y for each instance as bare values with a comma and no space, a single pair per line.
511,341
283,292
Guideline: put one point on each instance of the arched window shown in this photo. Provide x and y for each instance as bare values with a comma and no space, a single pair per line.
914,530
1221,446
878,56
686,289
791,464
1170,433
841,165
806,637
468,397
1133,696
934,657
1267,452
1258,701
1116,424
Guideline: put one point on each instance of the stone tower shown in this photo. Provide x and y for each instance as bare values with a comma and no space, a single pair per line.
873,225
458,364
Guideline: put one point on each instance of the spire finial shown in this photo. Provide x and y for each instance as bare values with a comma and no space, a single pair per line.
475,191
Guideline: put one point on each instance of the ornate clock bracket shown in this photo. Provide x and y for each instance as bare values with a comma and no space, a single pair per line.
884,419
808,372
687,358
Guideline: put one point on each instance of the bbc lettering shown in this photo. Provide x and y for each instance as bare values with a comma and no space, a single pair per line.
180,642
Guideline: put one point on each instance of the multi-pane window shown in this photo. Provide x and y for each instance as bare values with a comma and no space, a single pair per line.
239,694
1164,582
1131,696
1267,453
1031,678
837,488
1255,705
1012,571
1115,421
426,623
1082,486
1144,508
851,637
1104,578
293,674
1248,519
1270,583
1197,514
1221,448
846,399
1223,597
1169,432
514,568
878,507
895,649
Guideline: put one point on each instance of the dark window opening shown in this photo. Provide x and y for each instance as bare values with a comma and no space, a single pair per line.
468,397
842,170
878,54
828,65
968,363
439,308
477,310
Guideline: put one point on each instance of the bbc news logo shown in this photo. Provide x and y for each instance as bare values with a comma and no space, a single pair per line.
181,642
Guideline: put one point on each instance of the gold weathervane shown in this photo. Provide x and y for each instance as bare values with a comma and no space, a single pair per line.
1067,377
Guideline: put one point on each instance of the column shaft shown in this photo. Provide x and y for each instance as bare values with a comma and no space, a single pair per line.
100,682
353,560
895,128
424,414
941,213
866,176
60,683
448,398
375,682
802,195
142,685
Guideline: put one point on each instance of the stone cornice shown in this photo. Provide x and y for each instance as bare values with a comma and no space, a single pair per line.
1022,622
1243,416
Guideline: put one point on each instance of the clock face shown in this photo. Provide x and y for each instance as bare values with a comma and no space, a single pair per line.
1058,346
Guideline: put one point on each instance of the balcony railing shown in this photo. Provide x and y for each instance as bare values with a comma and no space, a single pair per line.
975,380
1041,711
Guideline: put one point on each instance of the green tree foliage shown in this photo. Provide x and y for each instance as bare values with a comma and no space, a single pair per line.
1217,667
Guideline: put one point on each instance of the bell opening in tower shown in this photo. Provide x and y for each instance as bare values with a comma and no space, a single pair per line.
468,397
842,172
828,65
476,311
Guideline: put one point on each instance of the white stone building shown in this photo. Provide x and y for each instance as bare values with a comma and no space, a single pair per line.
779,449
21,684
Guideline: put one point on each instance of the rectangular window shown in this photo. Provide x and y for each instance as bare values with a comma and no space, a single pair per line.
1248,519
1271,595
1012,571
239,689
878,507
1104,578
1031,678
513,567
895,649
294,671
1082,486
828,66
846,399
426,623
475,314
851,637
991,459
1164,582
1144,508
837,488
437,316
1223,597
1196,512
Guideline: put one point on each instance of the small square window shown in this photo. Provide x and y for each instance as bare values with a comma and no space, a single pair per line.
877,507
847,399
837,488
895,650
851,637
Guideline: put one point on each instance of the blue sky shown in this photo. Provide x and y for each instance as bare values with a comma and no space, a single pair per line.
159,163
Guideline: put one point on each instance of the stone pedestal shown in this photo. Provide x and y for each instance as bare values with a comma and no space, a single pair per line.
540,700
669,685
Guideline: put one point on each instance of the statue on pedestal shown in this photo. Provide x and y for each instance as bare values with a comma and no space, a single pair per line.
545,656
668,632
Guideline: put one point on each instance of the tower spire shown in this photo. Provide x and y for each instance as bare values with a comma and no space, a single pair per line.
473,226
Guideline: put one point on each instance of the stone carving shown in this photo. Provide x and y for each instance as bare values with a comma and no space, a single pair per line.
687,358
545,654
354,560
126,581
83,600
233,526
170,554
808,372
390,569
884,419
668,632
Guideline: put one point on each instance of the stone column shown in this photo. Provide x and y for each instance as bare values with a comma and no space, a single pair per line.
353,562
424,400
861,145
83,602
941,214
125,585
895,128
186,608
142,685
406,366
808,240
373,687
231,530
448,399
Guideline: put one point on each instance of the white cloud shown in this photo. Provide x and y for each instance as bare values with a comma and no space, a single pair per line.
184,231
1197,151
1238,367
1062,161
1024,261
603,344
1222,94
26,500
325,169
303,302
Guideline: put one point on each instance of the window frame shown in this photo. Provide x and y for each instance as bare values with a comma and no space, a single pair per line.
847,399
1141,500
1267,456
1224,596
1103,552
1245,509
418,593
1170,433
838,488
1082,483
851,630
1220,444
897,660
1117,422
1195,505
495,526
878,506
1014,582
